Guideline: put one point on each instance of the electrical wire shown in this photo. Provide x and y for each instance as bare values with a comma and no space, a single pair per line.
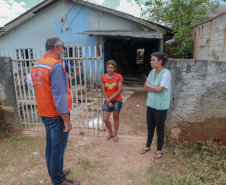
74,18
76,15
66,16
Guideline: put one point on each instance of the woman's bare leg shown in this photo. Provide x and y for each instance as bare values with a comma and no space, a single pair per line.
106,119
116,125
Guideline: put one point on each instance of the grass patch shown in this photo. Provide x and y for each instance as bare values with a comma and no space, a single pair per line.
201,163
85,170
21,156
85,163
17,147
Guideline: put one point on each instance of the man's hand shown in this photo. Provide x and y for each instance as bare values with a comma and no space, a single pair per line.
67,126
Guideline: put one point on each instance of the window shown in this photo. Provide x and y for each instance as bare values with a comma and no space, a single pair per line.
24,53
74,50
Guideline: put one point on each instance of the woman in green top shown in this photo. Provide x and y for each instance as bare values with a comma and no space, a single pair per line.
158,85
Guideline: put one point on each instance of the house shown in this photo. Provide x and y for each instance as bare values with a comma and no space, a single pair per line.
80,23
209,38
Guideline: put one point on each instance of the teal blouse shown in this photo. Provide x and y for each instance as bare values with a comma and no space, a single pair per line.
159,101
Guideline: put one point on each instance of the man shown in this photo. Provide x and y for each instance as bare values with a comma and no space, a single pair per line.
54,102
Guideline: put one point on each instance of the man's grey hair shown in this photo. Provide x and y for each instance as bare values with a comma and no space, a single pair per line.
52,42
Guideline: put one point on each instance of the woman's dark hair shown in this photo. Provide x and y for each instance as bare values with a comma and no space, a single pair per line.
112,62
161,56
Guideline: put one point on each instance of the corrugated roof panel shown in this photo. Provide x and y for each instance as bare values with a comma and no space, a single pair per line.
124,33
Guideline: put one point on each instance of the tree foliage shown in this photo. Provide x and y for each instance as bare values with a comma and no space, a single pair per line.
178,15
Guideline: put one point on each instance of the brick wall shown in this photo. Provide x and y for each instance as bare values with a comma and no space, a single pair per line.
210,39
198,101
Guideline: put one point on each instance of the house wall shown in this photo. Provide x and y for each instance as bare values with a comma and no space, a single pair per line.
34,32
198,100
64,19
78,20
105,21
210,39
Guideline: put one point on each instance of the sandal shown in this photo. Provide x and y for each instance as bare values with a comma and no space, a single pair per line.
157,155
144,151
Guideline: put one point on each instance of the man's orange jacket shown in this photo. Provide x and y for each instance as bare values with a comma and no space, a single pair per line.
40,74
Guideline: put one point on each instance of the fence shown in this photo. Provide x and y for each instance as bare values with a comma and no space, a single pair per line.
84,78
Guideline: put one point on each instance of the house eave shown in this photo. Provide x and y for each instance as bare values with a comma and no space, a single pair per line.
124,33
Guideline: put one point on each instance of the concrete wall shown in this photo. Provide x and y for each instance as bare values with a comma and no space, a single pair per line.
210,39
9,119
198,101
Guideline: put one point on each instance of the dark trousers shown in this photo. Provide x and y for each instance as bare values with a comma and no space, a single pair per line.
156,118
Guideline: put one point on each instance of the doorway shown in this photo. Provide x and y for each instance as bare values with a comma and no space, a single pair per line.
125,52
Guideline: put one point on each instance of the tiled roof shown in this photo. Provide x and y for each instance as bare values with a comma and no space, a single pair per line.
124,33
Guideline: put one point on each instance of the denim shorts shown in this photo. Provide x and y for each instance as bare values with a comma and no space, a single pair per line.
117,105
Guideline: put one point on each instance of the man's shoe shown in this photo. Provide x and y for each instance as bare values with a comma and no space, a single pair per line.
69,182
66,171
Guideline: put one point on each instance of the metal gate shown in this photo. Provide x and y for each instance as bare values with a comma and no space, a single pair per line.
84,78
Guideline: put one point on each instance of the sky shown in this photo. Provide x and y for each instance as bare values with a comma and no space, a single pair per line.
10,9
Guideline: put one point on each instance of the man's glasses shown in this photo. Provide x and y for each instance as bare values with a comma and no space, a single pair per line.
64,48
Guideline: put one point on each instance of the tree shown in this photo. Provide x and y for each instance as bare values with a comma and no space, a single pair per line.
179,15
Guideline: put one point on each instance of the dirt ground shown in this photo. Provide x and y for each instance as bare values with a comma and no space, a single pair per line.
94,160
133,115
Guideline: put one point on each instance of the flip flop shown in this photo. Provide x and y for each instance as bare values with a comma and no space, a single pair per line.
157,154
144,151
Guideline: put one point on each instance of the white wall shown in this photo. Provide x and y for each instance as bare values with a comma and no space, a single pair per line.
106,21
